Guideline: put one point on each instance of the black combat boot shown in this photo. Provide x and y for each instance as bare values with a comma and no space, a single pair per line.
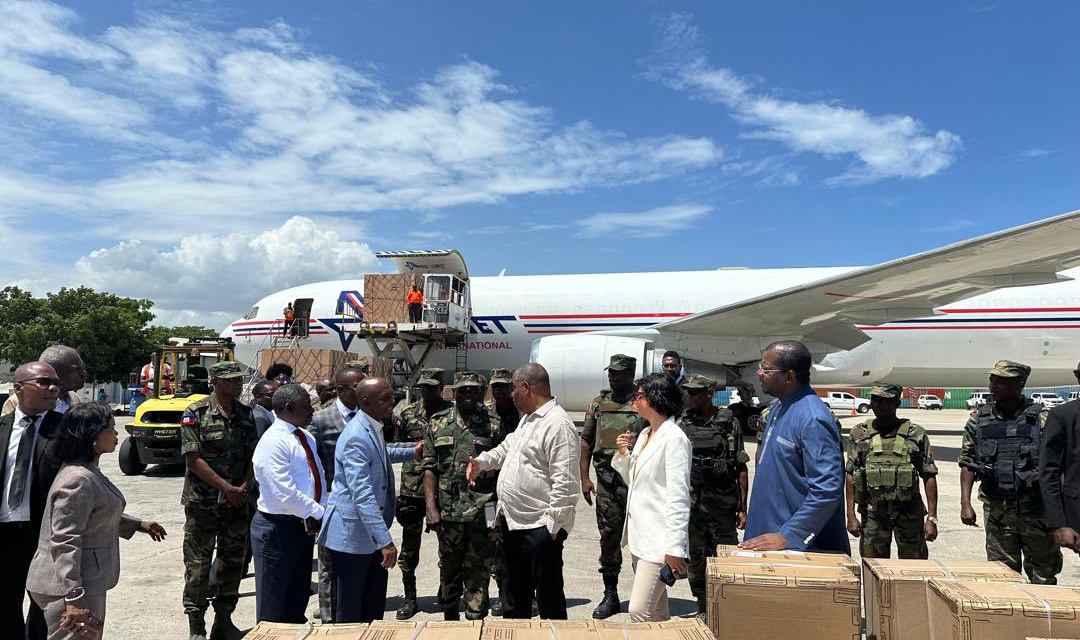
451,615
408,608
609,605
196,626
224,629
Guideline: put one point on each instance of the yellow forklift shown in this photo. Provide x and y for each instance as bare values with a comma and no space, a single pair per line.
180,376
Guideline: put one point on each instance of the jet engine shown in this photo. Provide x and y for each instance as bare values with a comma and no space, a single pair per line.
576,363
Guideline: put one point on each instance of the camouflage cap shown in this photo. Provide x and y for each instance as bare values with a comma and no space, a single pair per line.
502,376
698,381
364,367
467,379
621,362
1010,369
226,370
888,390
432,377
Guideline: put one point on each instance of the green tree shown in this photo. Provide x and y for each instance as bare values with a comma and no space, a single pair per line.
112,333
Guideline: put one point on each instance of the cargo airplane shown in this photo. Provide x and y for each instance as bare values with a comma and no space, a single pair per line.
935,319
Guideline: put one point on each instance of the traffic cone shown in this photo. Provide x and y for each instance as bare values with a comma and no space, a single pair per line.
854,412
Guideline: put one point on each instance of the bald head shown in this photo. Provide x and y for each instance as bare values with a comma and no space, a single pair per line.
37,387
345,382
375,397
532,388
535,376
68,365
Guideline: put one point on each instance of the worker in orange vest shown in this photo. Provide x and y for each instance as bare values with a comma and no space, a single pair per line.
289,316
416,304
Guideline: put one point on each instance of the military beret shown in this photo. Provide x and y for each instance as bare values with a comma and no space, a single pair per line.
1010,369
698,381
503,376
226,370
467,379
433,377
621,362
888,390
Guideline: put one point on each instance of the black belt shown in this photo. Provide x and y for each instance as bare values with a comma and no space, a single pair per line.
280,517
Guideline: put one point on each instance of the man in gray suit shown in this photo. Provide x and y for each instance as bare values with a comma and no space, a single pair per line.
326,427
263,404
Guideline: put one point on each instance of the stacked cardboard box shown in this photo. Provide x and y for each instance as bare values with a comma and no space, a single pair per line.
379,630
384,296
691,629
894,592
309,365
538,630
813,596
1001,611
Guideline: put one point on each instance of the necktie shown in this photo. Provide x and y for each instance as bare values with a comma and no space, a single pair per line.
22,463
311,464
348,418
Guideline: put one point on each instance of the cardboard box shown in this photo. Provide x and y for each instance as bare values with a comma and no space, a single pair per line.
733,553
498,629
1001,610
384,296
689,629
281,631
378,630
783,597
894,592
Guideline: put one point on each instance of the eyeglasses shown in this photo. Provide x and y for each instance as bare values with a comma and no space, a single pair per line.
638,395
41,382
762,369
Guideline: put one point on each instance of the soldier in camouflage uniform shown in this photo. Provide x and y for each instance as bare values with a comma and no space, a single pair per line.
415,418
609,415
1001,450
457,511
218,438
718,478
886,457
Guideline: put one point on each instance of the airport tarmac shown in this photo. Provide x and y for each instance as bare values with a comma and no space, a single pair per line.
147,602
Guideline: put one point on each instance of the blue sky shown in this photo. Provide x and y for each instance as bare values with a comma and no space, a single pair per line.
204,155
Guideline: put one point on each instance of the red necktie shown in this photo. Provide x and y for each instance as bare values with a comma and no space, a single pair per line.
311,464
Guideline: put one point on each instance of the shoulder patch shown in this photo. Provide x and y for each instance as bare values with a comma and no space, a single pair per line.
188,420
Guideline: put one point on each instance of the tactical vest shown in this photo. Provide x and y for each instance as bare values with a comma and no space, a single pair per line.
714,454
1007,451
886,471
612,420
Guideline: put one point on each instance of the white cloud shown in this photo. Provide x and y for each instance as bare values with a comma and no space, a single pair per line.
1032,153
226,127
881,146
644,224
211,278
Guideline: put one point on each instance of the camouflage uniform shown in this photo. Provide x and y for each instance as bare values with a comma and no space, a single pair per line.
226,444
606,418
886,469
410,501
1017,532
715,496
466,543
508,422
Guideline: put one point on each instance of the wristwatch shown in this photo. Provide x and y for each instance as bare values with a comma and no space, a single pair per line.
932,520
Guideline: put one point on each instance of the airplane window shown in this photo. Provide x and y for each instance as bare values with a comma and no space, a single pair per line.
251,314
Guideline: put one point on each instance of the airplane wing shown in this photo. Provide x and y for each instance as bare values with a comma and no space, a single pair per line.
828,310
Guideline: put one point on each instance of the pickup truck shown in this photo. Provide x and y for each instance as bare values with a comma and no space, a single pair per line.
978,399
844,401
1048,400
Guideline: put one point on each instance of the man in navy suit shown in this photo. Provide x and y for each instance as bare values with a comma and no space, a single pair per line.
356,526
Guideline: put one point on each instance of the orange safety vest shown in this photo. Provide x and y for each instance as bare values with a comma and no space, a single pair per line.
415,297
289,315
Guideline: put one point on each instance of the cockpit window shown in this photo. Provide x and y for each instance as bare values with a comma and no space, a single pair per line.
251,314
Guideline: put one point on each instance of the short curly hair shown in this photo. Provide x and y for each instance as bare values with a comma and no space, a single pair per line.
662,394
79,430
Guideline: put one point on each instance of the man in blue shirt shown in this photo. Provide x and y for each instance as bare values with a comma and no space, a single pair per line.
801,465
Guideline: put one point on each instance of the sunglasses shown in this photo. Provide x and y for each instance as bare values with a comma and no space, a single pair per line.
41,382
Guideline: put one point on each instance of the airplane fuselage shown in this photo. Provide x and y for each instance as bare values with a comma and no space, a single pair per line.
1036,325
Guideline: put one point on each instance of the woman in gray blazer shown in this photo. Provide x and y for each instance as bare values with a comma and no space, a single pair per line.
78,553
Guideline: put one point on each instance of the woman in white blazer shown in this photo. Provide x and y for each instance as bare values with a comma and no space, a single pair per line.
657,474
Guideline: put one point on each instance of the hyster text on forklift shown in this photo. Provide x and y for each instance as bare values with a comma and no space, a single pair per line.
181,377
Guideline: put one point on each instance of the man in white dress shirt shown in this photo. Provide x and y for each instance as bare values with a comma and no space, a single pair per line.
538,490
292,497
